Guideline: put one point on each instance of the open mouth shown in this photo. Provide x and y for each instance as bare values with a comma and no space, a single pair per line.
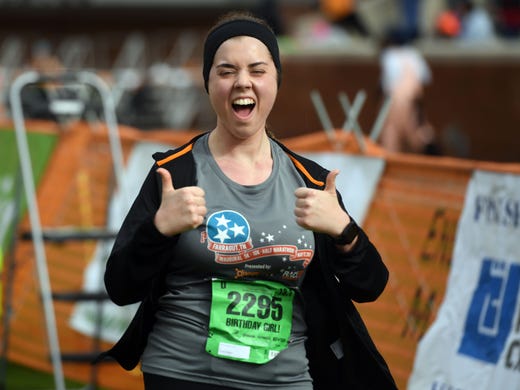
243,106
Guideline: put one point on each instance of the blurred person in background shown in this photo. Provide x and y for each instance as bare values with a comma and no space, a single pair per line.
406,26
206,248
43,59
36,98
269,10
476,24
506,17
409,26
343,13
466,21
404,76
447,24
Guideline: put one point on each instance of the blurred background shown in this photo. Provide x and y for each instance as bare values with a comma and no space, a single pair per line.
149,51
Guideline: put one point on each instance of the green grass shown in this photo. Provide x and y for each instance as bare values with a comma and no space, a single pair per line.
19,377
40,148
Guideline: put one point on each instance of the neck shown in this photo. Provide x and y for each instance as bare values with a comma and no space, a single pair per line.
222,144
247,161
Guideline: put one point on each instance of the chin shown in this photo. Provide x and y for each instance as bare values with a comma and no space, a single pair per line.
245,130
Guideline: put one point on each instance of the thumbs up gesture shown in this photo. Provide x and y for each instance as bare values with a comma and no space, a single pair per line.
320,211
181,209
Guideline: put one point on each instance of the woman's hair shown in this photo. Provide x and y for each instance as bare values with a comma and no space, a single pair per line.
238,15
239,23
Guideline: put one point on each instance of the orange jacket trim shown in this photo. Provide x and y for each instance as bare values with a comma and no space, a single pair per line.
302,169
175,155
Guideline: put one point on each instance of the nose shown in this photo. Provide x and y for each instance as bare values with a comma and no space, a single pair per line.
243,80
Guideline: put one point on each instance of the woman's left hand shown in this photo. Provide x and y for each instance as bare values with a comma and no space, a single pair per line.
320,211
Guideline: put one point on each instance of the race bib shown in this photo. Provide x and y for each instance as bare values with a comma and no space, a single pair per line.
249,321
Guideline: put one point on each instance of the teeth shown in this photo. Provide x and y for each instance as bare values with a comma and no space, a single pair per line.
244,102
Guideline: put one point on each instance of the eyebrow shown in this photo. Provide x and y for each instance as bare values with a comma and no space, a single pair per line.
253,65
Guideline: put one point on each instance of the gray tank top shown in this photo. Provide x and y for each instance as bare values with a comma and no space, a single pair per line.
249,233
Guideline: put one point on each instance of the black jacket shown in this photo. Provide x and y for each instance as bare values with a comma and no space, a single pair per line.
136,268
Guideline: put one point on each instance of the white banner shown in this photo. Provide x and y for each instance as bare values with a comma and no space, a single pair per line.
474,343
114,319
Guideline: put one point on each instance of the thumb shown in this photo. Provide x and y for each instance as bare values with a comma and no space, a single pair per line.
330,184
166,178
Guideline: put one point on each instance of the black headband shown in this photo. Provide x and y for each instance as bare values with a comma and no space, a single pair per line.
235,28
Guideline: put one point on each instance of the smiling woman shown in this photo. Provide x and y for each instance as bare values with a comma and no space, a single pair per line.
242,88
242,75
242,252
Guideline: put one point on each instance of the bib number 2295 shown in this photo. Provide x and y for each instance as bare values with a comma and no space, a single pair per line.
249,321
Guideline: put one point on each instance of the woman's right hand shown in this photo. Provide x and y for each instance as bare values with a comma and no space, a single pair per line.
181,209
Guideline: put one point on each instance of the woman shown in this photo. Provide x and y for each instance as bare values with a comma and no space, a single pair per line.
241,251
405,75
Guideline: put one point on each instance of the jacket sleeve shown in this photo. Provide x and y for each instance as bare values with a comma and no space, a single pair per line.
362,274
140,251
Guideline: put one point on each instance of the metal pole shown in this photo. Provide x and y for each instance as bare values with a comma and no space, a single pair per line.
323,115
9,269
34,216
380,120
352,113
111,121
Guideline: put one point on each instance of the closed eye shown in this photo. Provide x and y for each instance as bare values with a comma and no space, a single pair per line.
225,69
225,73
